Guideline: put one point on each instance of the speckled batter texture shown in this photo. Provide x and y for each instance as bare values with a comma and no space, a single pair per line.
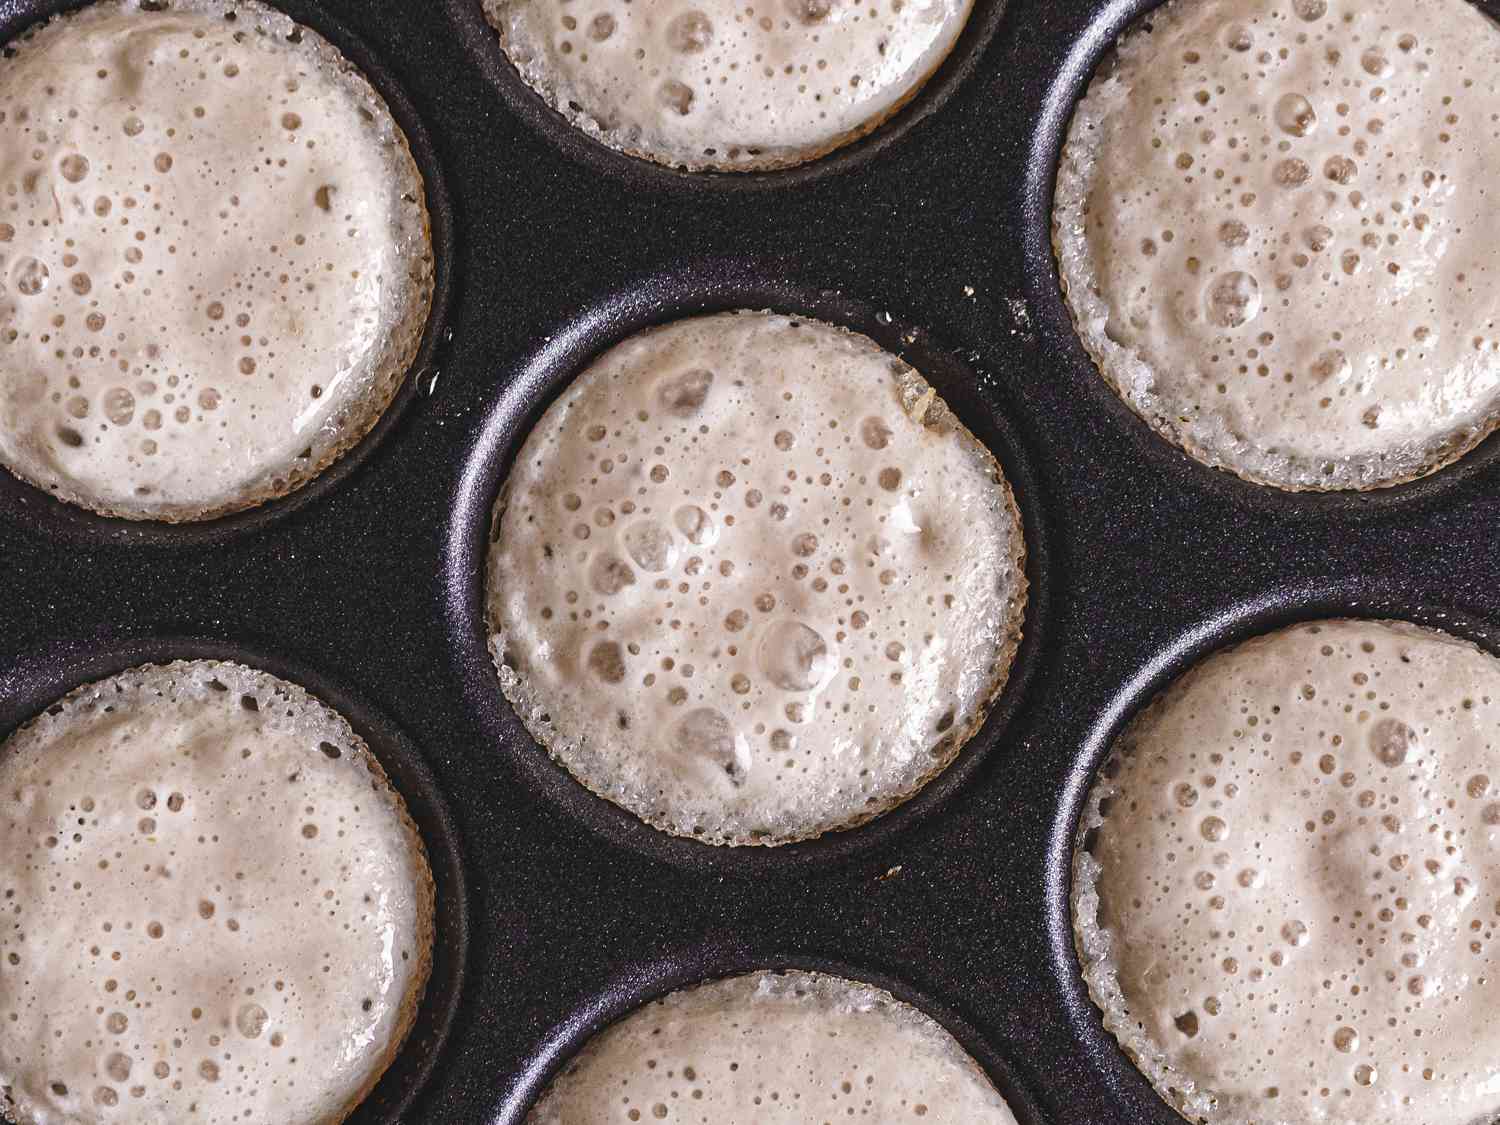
1273,223
213,906
1288,882
752,581
712,84
768,1048
215,265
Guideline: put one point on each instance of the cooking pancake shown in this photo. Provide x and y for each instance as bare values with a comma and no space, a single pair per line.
1286,899
216,907
752,580
1272,223
789,1047
709,84
214,259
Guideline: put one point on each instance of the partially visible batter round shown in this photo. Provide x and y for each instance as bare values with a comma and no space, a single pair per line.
752,581
215,267
773,1047
1288,885
213,906
713,84
1273,224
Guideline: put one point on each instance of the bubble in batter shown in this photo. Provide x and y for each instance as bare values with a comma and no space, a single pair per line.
175,944
773,1047
751,581
1287,883
214,258
710,84
1272,226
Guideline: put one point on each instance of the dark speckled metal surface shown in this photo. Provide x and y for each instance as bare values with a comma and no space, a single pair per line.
557,914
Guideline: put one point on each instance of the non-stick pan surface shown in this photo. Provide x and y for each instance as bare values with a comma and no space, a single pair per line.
557,912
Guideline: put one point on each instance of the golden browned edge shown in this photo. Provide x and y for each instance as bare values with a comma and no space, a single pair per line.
407,336
766,164
406,1015
547,736
1440,458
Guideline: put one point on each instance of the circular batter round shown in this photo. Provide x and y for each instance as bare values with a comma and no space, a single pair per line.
711,84
789,1047
215,907
214,258
1273,228
752,581
1288,886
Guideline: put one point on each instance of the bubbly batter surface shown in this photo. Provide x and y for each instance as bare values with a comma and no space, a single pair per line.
214,259
1273,222
752,581
789,1047
213,907
714,84
1287,901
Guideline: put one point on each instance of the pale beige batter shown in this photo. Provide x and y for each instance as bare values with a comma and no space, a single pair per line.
213,906
1274,226
770,1048
214,259
752,580
714,84
1289,900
